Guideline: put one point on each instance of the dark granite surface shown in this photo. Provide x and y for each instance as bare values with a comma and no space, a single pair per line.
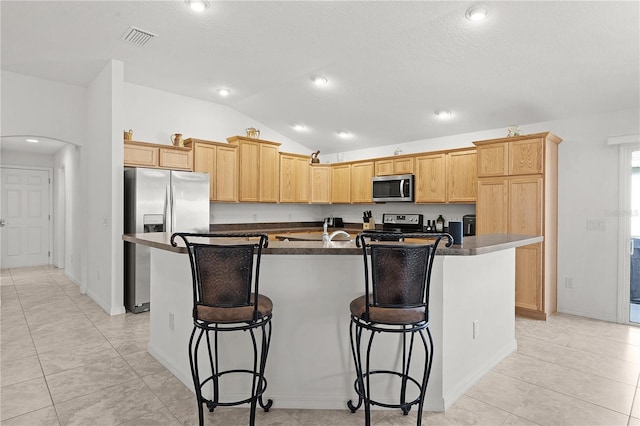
471,245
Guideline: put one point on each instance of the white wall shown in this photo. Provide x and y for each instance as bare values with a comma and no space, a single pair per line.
15,158
34,106
104,263
155,115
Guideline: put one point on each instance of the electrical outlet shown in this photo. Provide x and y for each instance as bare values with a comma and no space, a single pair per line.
476,328
595,225
568,282
171,321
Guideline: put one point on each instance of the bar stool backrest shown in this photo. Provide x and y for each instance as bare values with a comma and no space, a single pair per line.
225,271
398,273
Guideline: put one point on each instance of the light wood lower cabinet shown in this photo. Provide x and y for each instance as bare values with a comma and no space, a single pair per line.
221,162
528,276
320,183
341,184
294,178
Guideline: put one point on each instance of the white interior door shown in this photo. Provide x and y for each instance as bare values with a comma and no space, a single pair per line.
25,217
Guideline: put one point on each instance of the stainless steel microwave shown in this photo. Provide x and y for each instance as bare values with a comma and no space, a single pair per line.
392,188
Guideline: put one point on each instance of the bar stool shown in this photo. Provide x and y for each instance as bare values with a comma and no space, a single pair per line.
396,300
225,271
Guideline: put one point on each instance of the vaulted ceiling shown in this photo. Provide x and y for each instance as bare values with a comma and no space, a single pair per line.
389,64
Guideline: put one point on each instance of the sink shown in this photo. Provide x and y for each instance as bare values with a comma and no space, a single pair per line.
309,236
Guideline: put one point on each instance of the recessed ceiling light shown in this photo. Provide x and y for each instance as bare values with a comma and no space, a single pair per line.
198,5
479,12
223,92
33,140
344,134
319,80
443,114
299,127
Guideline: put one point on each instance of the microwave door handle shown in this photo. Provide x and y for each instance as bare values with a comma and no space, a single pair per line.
167,211
402,188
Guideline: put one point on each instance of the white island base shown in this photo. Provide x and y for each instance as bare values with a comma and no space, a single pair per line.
310,363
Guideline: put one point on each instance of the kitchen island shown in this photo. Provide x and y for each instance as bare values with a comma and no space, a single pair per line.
312,283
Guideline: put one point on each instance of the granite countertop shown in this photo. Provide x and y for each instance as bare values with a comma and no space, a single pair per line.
470,246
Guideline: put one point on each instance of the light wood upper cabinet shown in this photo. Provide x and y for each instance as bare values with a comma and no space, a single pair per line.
220,160
176,158
269,173
493,159
525,157
258,169
138,154
430,179
361,178
394,166
462,176
294,178
320,183
142,154
341,183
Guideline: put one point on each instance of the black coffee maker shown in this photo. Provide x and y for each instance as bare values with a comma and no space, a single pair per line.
469,224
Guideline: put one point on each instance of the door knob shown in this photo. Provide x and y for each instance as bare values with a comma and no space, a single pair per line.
2,223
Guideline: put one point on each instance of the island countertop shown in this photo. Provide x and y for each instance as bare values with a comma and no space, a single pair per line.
471,246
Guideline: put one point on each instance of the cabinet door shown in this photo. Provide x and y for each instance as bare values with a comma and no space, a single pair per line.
321,184
384,167
136,155
492,208
341,184
462,176
302,180
525,205
171,158
361,186
294,179
248,166
493,159
430,180
525,157
269,172
204,161
402,166
226,183
529,277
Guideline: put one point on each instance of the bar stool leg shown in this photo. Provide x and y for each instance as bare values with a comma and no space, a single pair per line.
356,334
266,343
193,361
427,371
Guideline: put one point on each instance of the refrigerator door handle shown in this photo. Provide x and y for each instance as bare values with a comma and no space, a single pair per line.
173,215
167,209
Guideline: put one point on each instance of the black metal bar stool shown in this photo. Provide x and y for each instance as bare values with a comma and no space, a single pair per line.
396,300
225,270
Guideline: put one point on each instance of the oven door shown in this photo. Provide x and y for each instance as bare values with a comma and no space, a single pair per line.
392,188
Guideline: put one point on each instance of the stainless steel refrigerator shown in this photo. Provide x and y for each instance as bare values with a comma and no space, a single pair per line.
157,200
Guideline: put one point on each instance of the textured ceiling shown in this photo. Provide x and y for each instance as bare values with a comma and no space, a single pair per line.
390,65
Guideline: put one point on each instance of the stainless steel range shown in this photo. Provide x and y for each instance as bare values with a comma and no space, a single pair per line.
394,224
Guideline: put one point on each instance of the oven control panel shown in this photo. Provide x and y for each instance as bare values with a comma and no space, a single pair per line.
412,219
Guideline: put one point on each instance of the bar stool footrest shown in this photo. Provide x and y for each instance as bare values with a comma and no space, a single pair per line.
262,387
406,407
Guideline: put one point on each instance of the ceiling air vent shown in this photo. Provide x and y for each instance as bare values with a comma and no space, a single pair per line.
137,36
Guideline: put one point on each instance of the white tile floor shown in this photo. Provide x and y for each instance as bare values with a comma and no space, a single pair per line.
64,361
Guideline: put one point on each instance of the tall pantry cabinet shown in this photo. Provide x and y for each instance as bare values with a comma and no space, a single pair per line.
518,194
